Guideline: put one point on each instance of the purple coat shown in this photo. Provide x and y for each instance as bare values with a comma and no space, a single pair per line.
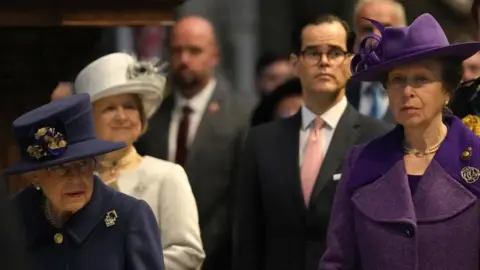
377,224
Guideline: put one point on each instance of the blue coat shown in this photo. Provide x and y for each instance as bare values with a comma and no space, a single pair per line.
130,242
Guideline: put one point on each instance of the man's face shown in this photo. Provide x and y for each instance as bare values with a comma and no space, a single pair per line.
194,56
383,12
323,64
274,75
471,67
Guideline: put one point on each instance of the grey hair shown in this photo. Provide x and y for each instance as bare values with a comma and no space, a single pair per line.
398,7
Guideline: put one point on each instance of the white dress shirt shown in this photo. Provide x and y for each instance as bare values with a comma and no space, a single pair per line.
198,104
366,101
331,119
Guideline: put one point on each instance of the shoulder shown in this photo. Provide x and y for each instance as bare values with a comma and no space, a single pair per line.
129,208
163,172
374,126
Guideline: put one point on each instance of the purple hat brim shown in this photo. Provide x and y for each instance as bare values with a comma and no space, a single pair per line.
74,152
459,51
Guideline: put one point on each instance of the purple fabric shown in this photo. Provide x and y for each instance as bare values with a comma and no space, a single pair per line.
413,181
376,223
423,39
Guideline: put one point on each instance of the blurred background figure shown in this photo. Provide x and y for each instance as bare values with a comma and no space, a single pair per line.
283,102
201,127
272,70
63,89
369,98
471,68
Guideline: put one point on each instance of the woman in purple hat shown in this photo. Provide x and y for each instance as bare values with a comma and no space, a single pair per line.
409,199
71,219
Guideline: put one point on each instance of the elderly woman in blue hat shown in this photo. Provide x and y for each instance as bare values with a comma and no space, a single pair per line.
409,199
72,220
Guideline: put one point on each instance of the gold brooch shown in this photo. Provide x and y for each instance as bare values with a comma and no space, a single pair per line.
48,142
467,154
470,174
111,218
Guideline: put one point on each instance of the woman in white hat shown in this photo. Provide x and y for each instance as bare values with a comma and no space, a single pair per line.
125,93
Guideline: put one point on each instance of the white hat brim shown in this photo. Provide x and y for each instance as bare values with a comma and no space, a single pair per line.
151,94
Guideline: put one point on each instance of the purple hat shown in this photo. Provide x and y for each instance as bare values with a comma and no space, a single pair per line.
423,39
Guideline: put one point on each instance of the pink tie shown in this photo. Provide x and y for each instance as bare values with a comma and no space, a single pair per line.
312,159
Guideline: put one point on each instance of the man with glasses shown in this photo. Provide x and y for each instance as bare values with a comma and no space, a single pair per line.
290,167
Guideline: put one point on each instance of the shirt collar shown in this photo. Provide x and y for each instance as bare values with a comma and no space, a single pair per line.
331,117
198,102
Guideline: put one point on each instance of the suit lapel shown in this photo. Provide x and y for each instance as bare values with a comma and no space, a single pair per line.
343,139
290,141
206,128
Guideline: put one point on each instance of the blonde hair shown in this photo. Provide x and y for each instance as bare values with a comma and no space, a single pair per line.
398,7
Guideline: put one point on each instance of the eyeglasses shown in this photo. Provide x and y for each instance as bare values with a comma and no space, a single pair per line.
82,166
313,57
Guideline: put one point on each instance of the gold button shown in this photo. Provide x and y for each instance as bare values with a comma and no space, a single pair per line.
58,238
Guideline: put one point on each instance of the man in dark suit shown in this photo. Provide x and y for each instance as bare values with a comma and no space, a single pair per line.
290,167
201,126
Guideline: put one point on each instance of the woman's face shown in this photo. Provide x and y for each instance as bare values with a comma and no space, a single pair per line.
416,93
117,118
68,187
288,106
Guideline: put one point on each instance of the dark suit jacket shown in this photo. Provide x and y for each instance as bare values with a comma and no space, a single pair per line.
211,166
273,228
352,91
131,243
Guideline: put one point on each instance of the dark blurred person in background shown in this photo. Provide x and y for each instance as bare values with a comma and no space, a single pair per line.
466,100
63,89
284,101
201,126
369,98
272,70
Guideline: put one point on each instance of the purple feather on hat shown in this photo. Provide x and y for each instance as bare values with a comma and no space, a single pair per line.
370,50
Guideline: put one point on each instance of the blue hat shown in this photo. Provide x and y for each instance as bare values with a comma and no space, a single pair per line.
56,133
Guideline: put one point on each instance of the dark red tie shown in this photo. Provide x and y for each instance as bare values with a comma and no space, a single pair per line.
182,136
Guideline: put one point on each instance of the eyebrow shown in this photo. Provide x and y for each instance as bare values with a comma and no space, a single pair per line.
329,45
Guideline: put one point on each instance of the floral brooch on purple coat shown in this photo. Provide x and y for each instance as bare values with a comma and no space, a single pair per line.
47,143
370,51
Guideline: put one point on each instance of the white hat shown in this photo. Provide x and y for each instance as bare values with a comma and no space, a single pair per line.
121,73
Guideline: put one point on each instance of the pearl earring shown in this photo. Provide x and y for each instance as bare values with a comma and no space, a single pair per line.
37,187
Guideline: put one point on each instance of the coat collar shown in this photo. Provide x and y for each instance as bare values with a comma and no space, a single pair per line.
78,227
379,183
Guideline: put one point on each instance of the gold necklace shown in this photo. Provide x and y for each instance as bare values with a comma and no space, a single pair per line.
419,153
115,166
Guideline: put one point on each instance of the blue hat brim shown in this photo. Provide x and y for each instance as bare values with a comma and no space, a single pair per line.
74,152
459,51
